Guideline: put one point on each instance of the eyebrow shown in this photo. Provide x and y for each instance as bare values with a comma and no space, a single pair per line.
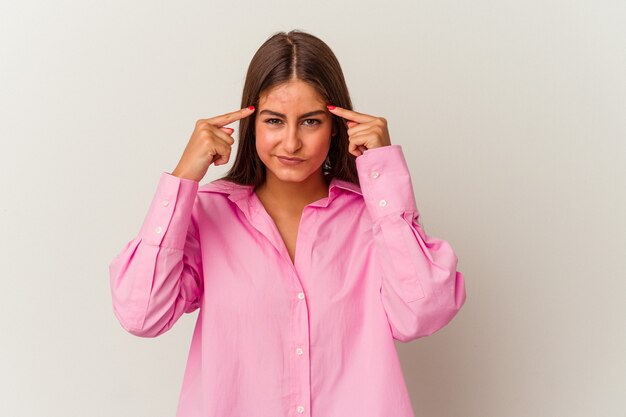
302,116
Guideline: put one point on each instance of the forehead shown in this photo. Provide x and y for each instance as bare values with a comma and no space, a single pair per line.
292,95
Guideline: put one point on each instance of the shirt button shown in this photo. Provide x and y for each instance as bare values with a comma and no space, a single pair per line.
166,202
299,351
301,295
375,174
158,229
382,203
300,409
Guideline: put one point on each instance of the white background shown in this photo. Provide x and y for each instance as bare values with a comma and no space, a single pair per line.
512,117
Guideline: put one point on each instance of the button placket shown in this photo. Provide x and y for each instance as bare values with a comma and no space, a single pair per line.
302,363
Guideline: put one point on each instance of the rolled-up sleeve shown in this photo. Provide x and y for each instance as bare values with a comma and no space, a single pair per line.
157,276
421,289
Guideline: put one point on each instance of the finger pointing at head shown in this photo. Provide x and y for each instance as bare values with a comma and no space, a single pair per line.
228,118
350,114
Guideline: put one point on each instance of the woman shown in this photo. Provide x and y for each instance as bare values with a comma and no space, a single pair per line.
306,260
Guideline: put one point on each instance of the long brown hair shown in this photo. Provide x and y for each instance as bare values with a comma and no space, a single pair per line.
281,58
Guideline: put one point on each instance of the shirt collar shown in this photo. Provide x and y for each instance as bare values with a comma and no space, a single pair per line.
236,192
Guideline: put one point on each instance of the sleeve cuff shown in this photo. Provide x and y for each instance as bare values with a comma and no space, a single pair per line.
169,215
385,181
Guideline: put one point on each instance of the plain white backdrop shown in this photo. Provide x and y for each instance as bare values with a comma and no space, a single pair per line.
512,116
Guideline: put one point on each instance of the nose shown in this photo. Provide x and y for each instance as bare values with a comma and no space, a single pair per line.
292,142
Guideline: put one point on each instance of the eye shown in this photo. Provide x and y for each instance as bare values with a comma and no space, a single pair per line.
313,122
316,122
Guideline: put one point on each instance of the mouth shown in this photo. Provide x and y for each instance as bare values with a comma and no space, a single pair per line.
290,159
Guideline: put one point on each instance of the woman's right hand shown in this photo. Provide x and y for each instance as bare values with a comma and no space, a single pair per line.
210,142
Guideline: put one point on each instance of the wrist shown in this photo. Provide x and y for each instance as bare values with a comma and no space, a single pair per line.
181,174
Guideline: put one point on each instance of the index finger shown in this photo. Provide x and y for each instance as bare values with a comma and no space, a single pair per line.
350,114
227,118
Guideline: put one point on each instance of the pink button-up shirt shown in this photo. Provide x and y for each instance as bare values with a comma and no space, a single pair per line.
276,338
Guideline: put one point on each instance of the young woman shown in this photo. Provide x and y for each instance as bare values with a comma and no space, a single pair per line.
306,261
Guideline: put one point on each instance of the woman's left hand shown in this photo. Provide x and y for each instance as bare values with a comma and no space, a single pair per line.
364,131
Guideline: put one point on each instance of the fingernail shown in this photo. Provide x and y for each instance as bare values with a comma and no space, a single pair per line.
330,107
250,107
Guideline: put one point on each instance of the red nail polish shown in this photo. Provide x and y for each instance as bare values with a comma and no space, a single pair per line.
330,106
250,107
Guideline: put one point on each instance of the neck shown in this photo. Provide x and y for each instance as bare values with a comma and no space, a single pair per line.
293,194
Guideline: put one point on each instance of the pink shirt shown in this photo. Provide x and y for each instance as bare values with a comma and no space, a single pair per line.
274,338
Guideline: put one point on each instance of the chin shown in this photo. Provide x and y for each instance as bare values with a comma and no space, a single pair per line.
288,174
291,176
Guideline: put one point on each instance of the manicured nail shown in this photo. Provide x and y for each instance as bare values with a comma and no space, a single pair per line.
250,107
330,107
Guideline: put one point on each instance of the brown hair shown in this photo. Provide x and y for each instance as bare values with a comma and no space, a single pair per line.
281,58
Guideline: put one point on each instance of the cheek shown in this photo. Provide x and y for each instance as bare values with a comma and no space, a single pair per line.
264,140
321,150
320,144
266,144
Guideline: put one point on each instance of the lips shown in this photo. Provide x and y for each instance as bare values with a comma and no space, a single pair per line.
290,162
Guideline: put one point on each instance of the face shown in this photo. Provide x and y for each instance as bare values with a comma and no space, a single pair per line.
293,122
